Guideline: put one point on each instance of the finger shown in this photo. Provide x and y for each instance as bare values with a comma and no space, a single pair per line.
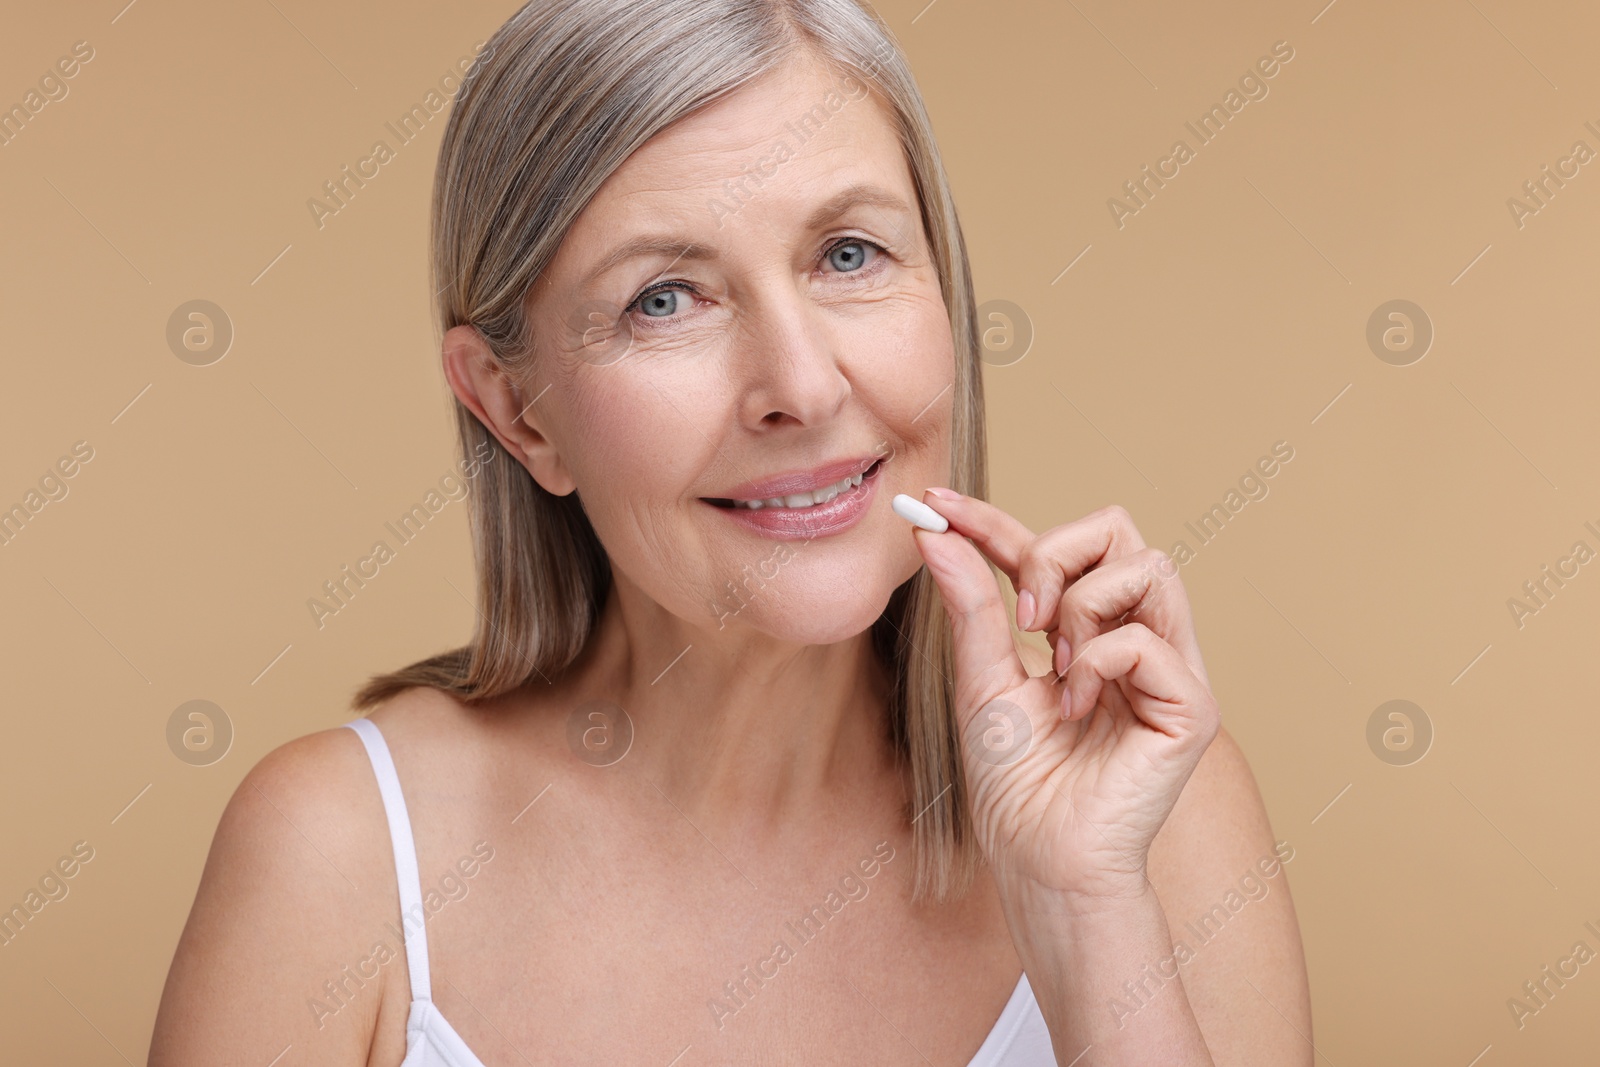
986,661
1142,587
1165,694
999,535
1063,554
1042,567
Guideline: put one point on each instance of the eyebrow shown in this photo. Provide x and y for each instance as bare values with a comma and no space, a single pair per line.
682,248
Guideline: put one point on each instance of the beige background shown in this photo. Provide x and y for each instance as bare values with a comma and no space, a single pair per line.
1228,314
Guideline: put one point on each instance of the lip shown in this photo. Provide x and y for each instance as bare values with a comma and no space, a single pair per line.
799,481
819,520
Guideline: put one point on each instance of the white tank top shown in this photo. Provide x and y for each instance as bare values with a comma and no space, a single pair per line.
1019,1037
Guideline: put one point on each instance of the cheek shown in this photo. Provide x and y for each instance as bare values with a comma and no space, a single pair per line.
638,457
914,358
635,436
908,377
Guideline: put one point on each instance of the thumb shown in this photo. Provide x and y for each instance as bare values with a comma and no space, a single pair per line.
981,627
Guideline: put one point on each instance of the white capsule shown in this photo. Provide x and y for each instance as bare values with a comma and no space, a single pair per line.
917,513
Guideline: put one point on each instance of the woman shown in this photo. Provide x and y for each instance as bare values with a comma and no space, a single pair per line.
730,773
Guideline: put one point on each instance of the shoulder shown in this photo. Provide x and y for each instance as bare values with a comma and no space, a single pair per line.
311,773
299,876
325,781
1221,874
312,793
443,745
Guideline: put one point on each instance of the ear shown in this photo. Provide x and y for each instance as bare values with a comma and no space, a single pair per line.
484,387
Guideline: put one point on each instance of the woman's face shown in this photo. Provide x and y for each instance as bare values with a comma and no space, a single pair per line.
781,318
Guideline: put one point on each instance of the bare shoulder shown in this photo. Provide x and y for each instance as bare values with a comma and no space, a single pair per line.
1222,877
431,717
299,873
309,799
441,742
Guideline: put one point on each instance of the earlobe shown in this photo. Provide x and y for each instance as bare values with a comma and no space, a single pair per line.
484,387
547,468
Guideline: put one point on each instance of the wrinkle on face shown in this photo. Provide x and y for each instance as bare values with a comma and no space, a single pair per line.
776,362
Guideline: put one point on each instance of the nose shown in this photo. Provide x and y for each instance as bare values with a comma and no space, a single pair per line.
790,366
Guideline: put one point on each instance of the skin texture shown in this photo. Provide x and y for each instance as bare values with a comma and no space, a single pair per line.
620,900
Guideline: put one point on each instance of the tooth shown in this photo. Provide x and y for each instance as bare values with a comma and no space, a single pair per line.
805,500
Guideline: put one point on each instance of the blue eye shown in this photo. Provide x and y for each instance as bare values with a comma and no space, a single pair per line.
668,300
656,305
854,250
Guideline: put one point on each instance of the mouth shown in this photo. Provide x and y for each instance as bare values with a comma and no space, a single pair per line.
800,501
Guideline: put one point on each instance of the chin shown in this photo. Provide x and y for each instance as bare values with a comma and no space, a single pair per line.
823,606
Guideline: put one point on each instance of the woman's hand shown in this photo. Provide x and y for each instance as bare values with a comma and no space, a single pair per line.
1069,777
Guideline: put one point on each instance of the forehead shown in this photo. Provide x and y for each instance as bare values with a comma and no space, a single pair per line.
772,150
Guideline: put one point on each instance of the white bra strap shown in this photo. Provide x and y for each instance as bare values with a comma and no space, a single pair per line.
413,918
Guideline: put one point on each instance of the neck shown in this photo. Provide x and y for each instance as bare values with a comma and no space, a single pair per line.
738,725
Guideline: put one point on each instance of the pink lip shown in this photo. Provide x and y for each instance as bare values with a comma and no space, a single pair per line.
800,481
819,520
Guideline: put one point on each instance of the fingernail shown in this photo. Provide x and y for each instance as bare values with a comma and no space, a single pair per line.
945,494
1025,609
1063,654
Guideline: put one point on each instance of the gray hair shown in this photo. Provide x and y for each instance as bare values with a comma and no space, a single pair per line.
564,92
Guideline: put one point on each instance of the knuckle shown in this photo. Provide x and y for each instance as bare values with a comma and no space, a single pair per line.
1158,561
1117,515
1029,560
1139,633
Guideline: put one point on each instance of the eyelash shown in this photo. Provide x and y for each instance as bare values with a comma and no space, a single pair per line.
661,287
